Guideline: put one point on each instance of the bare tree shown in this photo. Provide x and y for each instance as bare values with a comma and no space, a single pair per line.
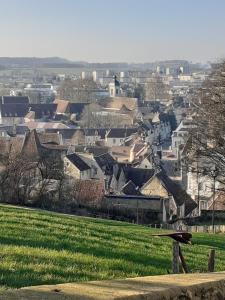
156,89
93,117
80,90
206,153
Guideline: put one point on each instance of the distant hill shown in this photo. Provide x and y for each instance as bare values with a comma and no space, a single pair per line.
31,61
58,62
53,62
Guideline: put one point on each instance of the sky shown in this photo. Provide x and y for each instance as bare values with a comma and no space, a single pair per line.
113,30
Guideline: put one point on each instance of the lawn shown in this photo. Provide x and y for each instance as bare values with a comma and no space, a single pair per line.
42,248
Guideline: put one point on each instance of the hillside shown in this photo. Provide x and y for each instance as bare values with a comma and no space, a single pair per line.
42,248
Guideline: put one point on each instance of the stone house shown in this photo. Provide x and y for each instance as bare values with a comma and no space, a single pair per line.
75,167
117,136
180,203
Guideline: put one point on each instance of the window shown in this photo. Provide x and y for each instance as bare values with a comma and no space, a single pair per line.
203,204
114,141
200,186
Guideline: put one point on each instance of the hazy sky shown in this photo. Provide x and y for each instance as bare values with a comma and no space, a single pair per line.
113,30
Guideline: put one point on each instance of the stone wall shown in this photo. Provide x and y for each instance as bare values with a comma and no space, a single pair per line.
168,287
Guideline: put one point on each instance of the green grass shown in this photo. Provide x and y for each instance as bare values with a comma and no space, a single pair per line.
46,248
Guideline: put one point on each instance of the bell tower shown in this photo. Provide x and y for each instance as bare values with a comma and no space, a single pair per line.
114,88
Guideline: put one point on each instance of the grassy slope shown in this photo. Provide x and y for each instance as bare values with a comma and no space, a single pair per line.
42,248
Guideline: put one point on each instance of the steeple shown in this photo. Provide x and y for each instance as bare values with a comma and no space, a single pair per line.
114,88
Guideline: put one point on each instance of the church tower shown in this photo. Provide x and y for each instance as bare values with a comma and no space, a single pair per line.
114,88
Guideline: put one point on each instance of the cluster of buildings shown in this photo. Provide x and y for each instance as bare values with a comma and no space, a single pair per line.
132,166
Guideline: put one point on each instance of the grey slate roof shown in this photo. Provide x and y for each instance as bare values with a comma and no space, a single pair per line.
130,189
43,109
14,100
180,195
138,176
96,132
78,162
121,132
67,133
77,108
14,110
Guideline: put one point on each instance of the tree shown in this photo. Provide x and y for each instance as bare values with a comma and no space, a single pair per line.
93,117
172,119
156,89
80,90
207,139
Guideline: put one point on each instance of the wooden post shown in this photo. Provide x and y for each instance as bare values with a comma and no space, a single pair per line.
183,262
175,257
211,261
137,212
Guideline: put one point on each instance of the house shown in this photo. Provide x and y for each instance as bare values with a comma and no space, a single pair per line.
117,136
13,113
116,103
161,125
137,175
181,134
148,131
198,184
96,170
117,180
46,152
75,167
40,93
95,135
70,136
42,126
146,161
171,164
95,150
14,100
17,110
46,157
43,111
180,203
130,154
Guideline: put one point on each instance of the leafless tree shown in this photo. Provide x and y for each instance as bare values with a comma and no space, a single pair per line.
80,90
156,89
92,117
207,140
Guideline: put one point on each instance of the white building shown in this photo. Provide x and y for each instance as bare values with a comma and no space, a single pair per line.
180,135
114,88
95,76
40,93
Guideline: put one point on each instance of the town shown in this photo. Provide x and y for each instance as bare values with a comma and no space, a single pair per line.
112,161
107,143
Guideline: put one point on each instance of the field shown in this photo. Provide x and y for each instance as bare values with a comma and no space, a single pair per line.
42,248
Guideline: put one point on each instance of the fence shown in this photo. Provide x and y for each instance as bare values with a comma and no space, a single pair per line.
200,229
